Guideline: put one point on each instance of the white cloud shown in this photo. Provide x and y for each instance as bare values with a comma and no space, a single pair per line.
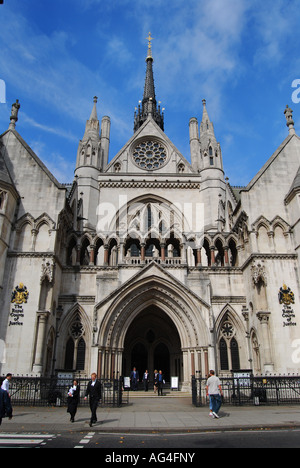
56,131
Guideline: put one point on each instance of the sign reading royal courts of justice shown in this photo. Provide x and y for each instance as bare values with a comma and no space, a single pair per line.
19,298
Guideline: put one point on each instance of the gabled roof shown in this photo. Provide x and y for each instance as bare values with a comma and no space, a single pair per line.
270,162
151,272
152,130
34,156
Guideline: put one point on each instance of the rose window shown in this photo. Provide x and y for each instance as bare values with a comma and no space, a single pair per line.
227,330
150,155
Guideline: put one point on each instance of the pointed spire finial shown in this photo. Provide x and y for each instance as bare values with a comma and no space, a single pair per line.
150,39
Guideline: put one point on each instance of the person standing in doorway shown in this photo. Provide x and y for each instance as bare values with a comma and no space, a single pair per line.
214,391
94,391
161,382
146,381
135,378
156,381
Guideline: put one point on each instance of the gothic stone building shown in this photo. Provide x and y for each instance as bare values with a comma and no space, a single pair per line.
148,260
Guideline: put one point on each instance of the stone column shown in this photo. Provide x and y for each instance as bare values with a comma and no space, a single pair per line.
264,318
226,257
106,255
163,252
143,252
213,256
42,319
92,255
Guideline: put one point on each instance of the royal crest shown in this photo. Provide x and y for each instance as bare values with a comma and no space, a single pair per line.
20,295
286,296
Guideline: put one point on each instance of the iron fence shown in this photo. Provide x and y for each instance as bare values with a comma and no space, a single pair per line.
250,390
40,391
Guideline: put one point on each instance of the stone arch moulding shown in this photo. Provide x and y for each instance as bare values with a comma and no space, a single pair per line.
189,317
236,320
64,327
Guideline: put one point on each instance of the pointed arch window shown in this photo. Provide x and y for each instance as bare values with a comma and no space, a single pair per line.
235,355
75,346
224,355
229,347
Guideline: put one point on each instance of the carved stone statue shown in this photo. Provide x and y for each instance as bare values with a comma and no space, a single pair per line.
14,114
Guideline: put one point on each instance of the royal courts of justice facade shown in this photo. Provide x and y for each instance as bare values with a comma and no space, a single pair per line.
146,259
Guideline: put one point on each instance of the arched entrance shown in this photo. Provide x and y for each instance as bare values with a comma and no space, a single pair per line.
157,314
152,342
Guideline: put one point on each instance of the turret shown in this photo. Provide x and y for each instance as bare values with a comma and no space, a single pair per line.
92,159
89,149
211,155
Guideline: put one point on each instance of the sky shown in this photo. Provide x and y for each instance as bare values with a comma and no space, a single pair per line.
242,56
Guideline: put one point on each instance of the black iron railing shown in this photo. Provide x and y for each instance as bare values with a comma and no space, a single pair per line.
40,391
250,390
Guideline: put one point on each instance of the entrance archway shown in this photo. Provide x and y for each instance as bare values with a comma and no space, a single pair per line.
153,308
162,360
152,342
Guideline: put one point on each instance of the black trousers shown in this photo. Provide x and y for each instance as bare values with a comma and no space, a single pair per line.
93,406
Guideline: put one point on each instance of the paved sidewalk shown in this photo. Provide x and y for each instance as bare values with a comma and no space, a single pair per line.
153,415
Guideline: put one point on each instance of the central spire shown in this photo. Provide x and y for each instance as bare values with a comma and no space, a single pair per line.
149,105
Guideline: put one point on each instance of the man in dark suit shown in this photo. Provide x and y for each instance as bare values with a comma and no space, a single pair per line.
134,377
94,391
146,378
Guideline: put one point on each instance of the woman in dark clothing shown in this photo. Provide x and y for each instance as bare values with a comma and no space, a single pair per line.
156,381
73,400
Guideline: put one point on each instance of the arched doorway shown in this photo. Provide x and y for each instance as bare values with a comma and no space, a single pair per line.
152,342
161,359
150,309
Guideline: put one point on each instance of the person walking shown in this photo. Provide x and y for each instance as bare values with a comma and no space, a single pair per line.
94,392
5,399
161,382
146,378
73,400
214,392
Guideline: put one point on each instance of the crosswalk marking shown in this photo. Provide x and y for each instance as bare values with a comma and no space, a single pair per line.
24,440
85,440
21,441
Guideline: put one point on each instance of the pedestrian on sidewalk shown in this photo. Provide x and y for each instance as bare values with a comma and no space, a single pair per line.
5,399
161,383
94,391
214,391
73,400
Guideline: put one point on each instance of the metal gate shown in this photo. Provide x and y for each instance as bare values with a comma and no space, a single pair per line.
250,390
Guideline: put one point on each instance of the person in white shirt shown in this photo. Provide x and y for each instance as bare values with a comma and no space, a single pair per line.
214,391
5,404
5,384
